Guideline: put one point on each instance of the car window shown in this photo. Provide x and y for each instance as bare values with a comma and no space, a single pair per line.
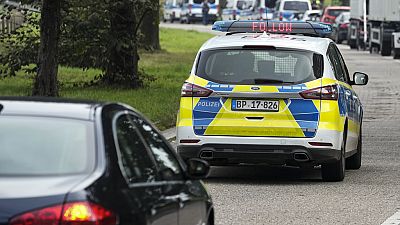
336,12
165,159
343,65
296,6
248,66
43,146
135,158
278,4
337,67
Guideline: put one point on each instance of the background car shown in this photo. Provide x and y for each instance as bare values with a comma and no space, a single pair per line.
192,11
79,162
172,11
312,15
341,27
331,12
287,10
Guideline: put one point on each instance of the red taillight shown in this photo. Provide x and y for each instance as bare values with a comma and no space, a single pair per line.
192,90
280,17
323,93
234,12
76,213
190,8
344,25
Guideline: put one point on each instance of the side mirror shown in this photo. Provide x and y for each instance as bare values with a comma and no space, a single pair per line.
360,78
198,168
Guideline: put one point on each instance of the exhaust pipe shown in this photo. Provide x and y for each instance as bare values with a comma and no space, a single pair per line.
301,157
206,154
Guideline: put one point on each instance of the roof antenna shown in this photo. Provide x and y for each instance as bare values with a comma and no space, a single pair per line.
264,35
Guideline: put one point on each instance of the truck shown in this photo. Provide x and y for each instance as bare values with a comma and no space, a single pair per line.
355,35
384,27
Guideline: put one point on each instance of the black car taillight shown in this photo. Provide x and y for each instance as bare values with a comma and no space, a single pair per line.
323,93
192,90
75,213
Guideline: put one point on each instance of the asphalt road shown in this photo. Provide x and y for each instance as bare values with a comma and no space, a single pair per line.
264,195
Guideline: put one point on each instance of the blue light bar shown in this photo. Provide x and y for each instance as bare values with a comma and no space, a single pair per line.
271,26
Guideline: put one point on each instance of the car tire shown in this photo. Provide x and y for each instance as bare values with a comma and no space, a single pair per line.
354,161
335,171
353,44
386,49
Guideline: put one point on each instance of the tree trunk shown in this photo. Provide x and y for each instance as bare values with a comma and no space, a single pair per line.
149,28
122,68
45,83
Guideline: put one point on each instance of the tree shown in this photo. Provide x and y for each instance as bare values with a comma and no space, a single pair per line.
122,67
149,28
45,83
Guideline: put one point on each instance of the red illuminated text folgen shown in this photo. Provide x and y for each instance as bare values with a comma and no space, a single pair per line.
273,27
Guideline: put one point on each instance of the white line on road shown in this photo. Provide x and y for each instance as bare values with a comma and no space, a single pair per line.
393,220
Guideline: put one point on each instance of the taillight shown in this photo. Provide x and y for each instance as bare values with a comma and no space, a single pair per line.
192,90
344,25
323,93
280,17
190,8
76,213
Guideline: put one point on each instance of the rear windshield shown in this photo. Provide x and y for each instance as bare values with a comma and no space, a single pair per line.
296,6
248,66
336,12
45,146
244,4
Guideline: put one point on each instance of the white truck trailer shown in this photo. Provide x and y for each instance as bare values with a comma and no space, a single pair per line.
384,23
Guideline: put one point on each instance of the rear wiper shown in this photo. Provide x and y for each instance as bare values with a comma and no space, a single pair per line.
271,81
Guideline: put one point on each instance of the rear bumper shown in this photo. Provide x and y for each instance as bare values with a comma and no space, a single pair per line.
225,154
227,150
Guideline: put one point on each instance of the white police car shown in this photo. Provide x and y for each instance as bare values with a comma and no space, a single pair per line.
272,92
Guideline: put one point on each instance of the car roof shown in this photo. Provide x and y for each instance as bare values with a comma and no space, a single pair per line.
315,44
49,107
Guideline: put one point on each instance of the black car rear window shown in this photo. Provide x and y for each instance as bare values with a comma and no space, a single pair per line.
45,146
255,66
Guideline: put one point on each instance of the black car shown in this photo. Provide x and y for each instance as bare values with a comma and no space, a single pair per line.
340,27
82,163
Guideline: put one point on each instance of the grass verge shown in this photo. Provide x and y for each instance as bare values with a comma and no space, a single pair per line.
158,100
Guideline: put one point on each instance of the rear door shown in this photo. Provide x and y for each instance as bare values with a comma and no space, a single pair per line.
141,173
190,194
257,92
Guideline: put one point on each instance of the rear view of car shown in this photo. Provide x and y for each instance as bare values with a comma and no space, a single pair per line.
88,163
341,27
288,10
330,13
262,95
192,11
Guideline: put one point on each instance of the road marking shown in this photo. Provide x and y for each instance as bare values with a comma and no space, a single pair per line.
393,220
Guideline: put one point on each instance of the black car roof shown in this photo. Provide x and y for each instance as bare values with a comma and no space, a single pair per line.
49,106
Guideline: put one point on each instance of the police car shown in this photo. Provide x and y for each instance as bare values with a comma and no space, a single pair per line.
272,92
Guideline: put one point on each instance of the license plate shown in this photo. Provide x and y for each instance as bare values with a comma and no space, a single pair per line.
255,105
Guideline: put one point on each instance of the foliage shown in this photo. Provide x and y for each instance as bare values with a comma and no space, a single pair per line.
86,38
169,66
20,48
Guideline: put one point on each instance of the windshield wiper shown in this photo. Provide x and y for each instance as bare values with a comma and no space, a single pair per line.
271,81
